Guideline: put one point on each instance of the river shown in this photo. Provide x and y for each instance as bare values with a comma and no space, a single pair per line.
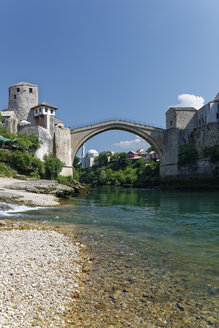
153,255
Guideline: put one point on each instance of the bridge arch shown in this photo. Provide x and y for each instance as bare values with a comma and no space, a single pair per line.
153,135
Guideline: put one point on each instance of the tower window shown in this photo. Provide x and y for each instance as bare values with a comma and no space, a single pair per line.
171,123
51,111
217,115
18,89
15,97
30,90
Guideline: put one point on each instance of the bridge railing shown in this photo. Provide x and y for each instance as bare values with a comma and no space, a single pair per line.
114,119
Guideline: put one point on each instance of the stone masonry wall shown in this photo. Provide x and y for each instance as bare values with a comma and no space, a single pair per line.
62,148
23,100
205,136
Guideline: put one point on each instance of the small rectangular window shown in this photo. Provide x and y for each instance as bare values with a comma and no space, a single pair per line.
18,89
217,115
171,123
51,111
30,90
46,110
36,111
40,110
15,97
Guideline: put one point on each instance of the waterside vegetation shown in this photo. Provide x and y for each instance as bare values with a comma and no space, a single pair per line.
116,170
17,157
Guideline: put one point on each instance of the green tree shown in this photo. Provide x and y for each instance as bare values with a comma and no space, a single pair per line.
53,166
22,141
139,173
103,158
26,141
76,161
123,160
102,178
5,155
5,133
21,161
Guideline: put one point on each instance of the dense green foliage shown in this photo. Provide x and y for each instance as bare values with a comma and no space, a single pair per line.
212,153
26,163
187,155
5,155
22,141
76,162
116,170
22,162
53,166
65,180
68,181
5,170
20,155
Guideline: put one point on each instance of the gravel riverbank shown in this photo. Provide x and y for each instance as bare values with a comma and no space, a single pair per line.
39,277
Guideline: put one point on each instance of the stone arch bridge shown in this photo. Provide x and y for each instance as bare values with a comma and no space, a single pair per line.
153,135
164,142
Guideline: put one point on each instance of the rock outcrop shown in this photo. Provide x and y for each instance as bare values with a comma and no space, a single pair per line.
48,191
50,187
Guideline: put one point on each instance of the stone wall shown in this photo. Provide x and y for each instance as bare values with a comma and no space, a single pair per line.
62,148
10,121
205,136
199,138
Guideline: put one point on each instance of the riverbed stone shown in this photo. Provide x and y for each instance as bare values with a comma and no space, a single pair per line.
38,276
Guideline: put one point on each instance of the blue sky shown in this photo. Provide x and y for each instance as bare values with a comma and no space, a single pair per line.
103,59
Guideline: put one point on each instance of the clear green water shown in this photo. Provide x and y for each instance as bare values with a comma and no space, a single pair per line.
164,245
156,256
181,227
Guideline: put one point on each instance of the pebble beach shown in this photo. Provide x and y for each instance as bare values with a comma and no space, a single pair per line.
39,275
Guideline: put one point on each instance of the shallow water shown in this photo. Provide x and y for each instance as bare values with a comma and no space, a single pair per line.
162,244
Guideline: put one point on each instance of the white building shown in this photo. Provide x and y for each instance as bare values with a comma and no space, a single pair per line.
209,113
88,160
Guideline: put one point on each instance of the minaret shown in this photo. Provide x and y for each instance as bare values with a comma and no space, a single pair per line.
83,151
83,156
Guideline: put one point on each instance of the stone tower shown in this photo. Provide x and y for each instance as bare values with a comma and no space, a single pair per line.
22,97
